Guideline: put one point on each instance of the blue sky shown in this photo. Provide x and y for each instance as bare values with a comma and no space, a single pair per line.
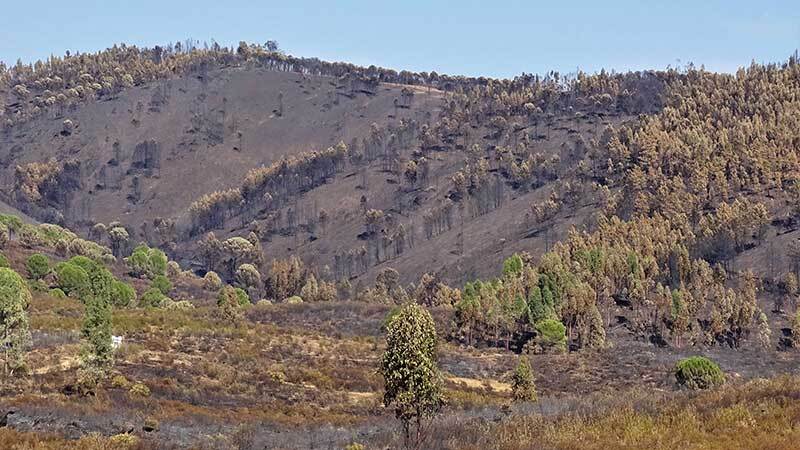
499,39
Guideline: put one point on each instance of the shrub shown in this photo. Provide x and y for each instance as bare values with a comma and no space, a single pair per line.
152,297
173,270
57,293
147,262
162,283
119,381
13,223
14,325
123,440
72,278
180,305
294,300
139,390
212,281
29,236
523,387
229,304
4,261
5,236
123,294
38,266
84,263
551,335
248,276
698,372
241,297
354,446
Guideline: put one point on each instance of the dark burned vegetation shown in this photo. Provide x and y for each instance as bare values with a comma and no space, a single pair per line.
546,239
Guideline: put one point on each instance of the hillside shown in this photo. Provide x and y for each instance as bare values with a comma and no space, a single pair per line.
252,224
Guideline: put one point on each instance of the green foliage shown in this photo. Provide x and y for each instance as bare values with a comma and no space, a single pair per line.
97,355
411,375
228,301
123,294
512,266
139,390
5,236
4,261
294,300
241,297
15,334
38,266
153,298
147,262
698,372
523,387
390,316
88,265
57,293
11,222
540,307
162,283
551,335
72,279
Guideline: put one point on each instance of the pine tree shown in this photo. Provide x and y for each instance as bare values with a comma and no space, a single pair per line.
97,355
410,371
523,387
15,335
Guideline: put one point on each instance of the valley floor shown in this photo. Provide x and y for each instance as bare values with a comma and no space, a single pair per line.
304,376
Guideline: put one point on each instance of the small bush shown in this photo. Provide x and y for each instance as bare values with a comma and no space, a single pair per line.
242,297
72,279
147,262
5,236
120,382
294,300
180,305
38,266
212,281
4,261
57,293
698,372
123,440
85,263
123,294
551,335
162,283
13,223
173,270
139,390
152,297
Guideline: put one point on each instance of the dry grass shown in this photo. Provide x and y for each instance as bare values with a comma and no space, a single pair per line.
758,415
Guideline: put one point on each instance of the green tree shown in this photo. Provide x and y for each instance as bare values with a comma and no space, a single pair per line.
512,266
97,355
523,387
15,335
123,294
72,279
228,301
153,297
551,335
410,372
38,266
162,283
